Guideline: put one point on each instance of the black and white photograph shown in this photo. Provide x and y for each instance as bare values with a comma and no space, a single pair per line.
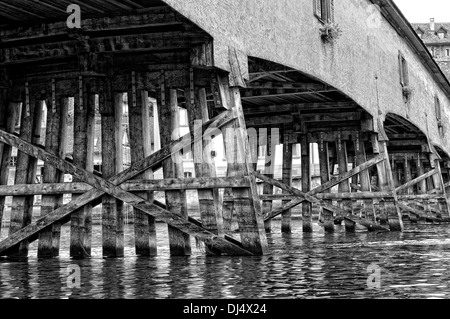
220,155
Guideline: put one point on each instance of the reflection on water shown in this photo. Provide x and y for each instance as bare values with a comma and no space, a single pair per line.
414,264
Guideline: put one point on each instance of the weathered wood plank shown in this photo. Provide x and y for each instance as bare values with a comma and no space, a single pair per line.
130,186
333,196
112,164
306,185
418,212
344,186
371,225
204,163
438,181
11,112
141,126
415,181
175,200
22,206
387,184
247,204
55,143
80,221
287,179
269,170
112,189
324,163
367,211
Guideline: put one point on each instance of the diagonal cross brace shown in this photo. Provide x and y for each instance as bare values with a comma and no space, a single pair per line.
310,195
111,187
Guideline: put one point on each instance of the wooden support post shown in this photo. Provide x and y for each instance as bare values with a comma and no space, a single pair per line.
287,179
247,204
10,111
344,186
204,163
324,162
81,220
175,200
112,164
269,170
422,185
101,186
386,181
55,143
443,204
395,172
22,206
141,123
408,178
368,211
306,185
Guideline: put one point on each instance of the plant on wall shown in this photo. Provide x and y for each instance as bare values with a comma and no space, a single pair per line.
330,32
407,93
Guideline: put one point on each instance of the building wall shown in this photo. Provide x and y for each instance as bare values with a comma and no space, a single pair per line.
363,63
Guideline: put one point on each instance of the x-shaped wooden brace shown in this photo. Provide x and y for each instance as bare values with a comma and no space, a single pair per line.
102,186
310,195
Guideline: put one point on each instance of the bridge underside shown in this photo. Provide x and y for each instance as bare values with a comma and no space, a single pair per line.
86,82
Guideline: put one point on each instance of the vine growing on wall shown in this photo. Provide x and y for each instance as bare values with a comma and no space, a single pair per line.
330,32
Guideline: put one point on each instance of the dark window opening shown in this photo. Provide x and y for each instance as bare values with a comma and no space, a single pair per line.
403,66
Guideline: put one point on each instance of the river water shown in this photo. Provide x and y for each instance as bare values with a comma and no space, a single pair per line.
413,264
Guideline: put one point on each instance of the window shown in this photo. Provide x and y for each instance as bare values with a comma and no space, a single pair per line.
447,52
403,66
437,105
324,10
187,174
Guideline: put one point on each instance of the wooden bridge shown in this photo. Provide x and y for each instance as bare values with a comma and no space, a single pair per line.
381,135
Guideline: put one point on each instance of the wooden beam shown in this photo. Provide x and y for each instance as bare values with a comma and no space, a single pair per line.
418,212
139,185
140,137
112,164
153,161
306,184
55,141
22,206
292,108
333,196
111,188
11,112
330,116
386,180
309,197
81,220
204,163
344,186
269,170
168,111
246,201
286,179
324,163
415,181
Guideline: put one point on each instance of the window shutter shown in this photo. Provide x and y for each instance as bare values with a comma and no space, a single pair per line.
318,8
438,108
400,67
331,13
405,72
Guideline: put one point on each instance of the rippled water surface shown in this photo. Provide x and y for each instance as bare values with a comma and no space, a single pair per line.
414,264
